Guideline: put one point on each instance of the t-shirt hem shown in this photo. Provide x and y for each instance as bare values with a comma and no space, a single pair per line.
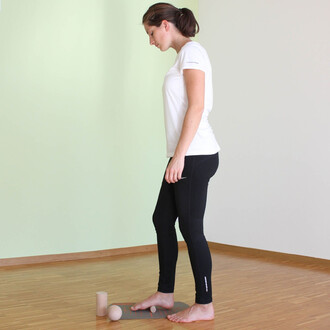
196,153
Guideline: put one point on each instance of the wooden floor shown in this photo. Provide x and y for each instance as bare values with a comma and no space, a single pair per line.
249,293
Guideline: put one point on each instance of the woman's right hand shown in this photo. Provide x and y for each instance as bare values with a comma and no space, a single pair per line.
174,169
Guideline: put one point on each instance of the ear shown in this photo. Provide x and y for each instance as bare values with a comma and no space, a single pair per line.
166,25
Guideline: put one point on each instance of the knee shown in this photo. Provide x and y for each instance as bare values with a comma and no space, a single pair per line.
156,220
163,222
191,233
159,221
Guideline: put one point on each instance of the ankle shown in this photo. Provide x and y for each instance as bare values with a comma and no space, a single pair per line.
205,306
165,294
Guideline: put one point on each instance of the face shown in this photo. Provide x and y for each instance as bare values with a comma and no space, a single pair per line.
159,36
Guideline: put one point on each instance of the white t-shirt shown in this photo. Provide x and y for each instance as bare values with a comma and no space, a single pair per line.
191,56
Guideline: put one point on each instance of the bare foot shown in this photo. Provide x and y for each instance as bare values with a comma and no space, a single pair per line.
161,299
196,312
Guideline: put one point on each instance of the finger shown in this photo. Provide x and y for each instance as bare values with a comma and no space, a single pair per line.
167,176
167,179
174,177
171,179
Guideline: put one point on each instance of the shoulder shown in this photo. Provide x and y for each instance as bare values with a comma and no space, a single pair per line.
193,50
193,46
194,56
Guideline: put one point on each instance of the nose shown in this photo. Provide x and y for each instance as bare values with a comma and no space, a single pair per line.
151,41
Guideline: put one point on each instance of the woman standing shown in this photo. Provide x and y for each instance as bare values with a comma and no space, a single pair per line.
193,152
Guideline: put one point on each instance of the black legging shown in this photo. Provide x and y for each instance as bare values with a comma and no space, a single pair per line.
186,200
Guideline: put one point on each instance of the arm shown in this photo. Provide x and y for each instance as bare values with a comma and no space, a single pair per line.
195,86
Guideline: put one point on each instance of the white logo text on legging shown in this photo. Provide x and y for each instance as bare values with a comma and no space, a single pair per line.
206,287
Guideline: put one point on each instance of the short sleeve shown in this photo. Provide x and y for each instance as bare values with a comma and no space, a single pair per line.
192,57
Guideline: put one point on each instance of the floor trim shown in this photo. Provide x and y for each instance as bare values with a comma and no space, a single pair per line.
268,255
223,248
19,261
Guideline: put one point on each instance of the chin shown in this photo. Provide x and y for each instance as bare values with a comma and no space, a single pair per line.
164,49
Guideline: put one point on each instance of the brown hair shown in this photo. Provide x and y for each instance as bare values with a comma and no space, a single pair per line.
183,18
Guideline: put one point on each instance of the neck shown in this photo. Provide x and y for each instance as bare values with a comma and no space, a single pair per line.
180,42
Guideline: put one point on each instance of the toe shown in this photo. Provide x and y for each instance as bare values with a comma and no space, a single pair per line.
173,317
136,307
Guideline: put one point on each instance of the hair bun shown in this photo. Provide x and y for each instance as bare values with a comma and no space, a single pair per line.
183,18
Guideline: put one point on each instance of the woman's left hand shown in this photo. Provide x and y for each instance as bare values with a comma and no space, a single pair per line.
174,169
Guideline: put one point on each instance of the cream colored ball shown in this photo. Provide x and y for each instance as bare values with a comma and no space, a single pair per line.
114,313
153,309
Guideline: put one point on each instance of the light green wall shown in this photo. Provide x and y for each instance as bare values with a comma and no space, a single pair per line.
82,147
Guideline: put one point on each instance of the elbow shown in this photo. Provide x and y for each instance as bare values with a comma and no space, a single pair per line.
200,111
197,109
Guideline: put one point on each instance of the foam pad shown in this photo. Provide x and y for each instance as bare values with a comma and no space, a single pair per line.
161,312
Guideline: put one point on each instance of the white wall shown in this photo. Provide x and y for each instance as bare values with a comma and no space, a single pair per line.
271,66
